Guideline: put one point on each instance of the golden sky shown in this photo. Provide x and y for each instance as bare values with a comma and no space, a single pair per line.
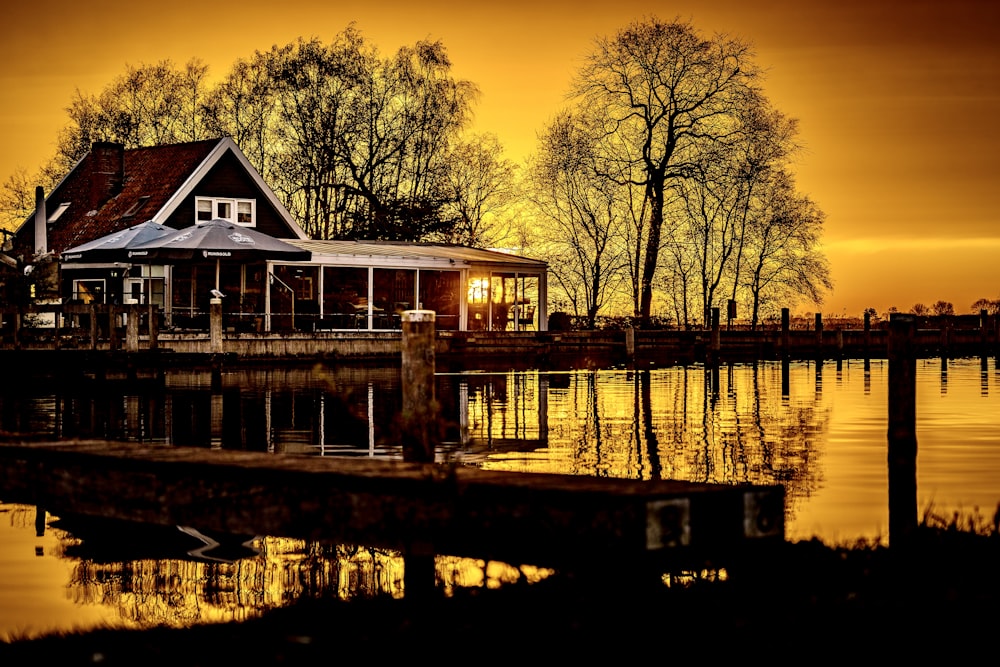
898,100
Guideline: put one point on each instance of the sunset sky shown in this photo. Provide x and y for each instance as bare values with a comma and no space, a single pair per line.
898,100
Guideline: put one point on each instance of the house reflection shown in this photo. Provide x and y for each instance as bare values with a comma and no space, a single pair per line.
149,581
769,422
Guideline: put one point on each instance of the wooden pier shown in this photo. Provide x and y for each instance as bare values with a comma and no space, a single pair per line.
142,344
566,522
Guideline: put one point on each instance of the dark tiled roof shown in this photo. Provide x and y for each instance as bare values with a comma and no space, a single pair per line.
154,173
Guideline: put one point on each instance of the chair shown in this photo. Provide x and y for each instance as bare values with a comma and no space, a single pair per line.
525,317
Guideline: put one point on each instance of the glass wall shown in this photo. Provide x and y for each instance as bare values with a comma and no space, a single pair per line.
345,297
360,298
294,297
503,302
393,291
439,291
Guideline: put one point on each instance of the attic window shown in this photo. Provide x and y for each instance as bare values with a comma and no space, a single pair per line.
136,207
238,211
56,214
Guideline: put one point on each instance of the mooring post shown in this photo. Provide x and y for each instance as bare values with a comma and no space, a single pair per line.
132,328
868,333
153,324
716,337
419,418
215,325
56,326
93,326
785,325
114,342
419,428
902,432
984,331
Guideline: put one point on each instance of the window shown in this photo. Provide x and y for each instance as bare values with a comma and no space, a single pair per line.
245,212
89,291
204,210
238,211
56,214
136,207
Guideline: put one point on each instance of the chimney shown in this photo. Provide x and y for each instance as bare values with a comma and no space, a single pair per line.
107,172
41,220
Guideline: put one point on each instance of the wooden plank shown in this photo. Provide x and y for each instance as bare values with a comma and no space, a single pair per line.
563,521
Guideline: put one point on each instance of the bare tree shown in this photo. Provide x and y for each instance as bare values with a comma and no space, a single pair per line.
243,106
17,200
482,184
148,105
991,306
364,141
784,264
583,214
943,308
666,95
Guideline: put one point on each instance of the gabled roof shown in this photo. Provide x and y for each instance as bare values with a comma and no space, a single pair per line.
154,181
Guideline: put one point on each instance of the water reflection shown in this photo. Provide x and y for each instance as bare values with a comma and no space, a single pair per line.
762,423
816,428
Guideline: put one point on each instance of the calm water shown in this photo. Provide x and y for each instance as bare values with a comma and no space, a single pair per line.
818,429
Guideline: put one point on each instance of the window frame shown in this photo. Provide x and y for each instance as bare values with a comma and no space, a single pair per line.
234,204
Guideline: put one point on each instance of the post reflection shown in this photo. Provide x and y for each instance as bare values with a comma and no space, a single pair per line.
760,423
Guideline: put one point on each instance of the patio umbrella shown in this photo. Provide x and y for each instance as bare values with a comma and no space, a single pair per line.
115,247
218,240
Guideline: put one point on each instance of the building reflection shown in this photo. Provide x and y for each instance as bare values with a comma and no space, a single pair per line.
731,425
762,423
153,589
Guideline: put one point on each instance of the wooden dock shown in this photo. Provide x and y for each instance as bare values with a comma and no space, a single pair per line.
566,522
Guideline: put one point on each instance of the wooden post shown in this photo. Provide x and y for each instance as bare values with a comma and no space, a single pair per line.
868,333
945,334
56,326
819,335
984,332
716,336
215,325
785,324
902,455
630,343
114,343
132,328
419,418
153,327
93,326
419,428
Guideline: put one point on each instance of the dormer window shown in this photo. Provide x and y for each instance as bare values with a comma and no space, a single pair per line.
237,211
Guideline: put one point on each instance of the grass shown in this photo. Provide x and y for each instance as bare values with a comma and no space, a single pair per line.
937,596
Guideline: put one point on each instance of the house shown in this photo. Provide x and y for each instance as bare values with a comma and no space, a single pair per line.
346,285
